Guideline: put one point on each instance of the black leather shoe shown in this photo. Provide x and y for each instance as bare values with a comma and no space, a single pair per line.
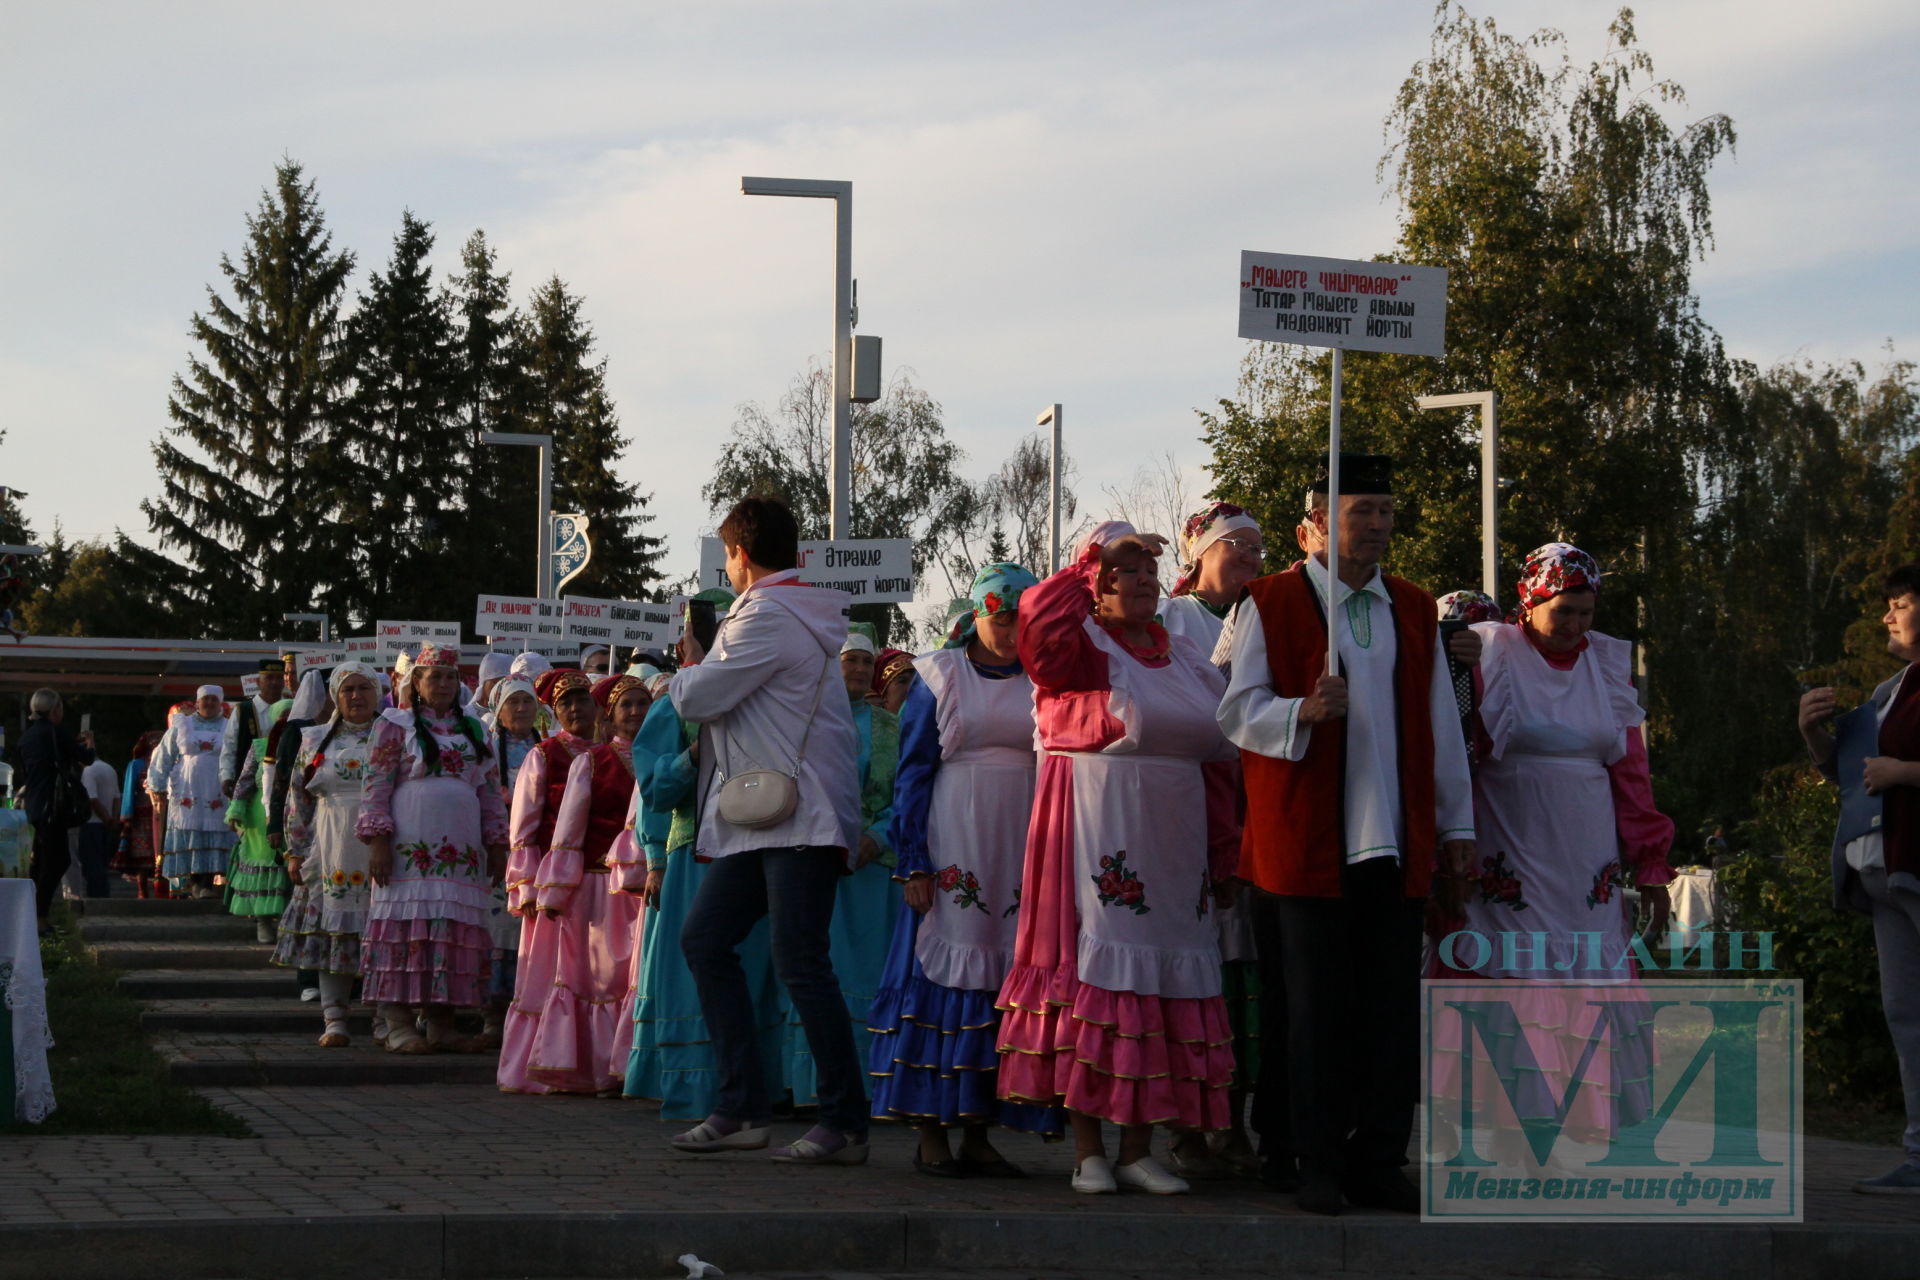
1382,1189
1320,1193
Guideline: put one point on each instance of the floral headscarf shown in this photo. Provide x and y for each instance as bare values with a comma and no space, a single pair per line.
557,681
1553,568
1468,606
1202,529
997,588
436,655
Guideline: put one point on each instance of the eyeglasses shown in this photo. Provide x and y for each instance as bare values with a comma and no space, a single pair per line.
1246,546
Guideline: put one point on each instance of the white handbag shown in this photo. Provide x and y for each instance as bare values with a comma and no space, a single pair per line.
759,798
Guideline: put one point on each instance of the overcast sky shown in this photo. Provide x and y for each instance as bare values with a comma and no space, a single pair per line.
1050,197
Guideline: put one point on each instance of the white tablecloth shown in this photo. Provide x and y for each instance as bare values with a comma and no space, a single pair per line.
1692,894
24,987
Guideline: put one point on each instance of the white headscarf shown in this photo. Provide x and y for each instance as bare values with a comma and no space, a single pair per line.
494,666
529,664
507,688
346,669
310,698
209,691
858,643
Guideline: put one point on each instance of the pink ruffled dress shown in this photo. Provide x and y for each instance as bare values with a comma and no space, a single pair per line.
570,1016
1113,1005
426,939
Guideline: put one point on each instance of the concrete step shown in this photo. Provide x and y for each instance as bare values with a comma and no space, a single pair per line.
127,956
169,907
285,1015
208,984
155,928
294,1059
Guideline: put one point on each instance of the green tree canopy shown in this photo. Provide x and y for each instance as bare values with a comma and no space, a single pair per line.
261,398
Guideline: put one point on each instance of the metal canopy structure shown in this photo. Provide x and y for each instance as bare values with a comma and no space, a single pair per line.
140,667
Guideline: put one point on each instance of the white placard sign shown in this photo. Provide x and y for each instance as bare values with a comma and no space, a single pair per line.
871,570
250,685
540,622
713,565
362,649
404,636
314,659
619,622
1332,302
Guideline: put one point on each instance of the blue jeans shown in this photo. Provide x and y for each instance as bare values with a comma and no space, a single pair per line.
794,889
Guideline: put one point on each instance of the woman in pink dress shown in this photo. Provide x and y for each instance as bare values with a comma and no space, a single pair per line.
1113,1007
436,831
569,1019
542,778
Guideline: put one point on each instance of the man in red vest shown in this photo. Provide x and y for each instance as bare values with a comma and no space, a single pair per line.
1353,801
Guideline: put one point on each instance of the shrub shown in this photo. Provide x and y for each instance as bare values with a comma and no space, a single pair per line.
1783,883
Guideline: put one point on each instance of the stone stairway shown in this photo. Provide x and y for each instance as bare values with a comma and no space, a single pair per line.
220,1015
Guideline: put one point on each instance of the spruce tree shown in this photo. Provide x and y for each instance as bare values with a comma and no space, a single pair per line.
403,435
569,401
251,419
497,533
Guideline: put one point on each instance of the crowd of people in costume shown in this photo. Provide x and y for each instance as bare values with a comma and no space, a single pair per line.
1107,861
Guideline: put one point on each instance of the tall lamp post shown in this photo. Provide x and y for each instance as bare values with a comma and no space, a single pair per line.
1050,416
841,193
1488,405
543,546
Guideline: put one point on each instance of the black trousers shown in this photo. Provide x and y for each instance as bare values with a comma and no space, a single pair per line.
50,863
96,852
1342,975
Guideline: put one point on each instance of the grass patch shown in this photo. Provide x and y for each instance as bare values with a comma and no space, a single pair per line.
106,1077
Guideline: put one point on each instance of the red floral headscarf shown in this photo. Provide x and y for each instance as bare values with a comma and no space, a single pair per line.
1553,568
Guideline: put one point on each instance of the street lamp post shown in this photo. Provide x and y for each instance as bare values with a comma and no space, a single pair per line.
543,546
1050,416
1488,405
841,193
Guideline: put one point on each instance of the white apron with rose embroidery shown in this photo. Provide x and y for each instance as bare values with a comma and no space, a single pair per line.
426,940
1140,830
976,822
1543,808
327,911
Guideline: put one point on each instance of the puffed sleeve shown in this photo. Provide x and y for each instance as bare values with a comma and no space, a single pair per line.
161,763
626,861
493,805
300,806
664,774
564,865
1072,680
386,753
913,782
1645,833
529,807
876,800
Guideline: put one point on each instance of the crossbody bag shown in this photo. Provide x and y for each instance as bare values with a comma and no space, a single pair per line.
760,797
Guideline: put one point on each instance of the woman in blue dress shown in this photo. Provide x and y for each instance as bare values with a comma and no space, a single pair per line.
962,799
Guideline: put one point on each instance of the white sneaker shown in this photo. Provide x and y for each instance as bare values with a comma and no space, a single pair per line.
309,994
1148,1174
1094,1177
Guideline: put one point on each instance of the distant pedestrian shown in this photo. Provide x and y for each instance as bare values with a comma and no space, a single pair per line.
185,773
97,832
138,855
49,784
